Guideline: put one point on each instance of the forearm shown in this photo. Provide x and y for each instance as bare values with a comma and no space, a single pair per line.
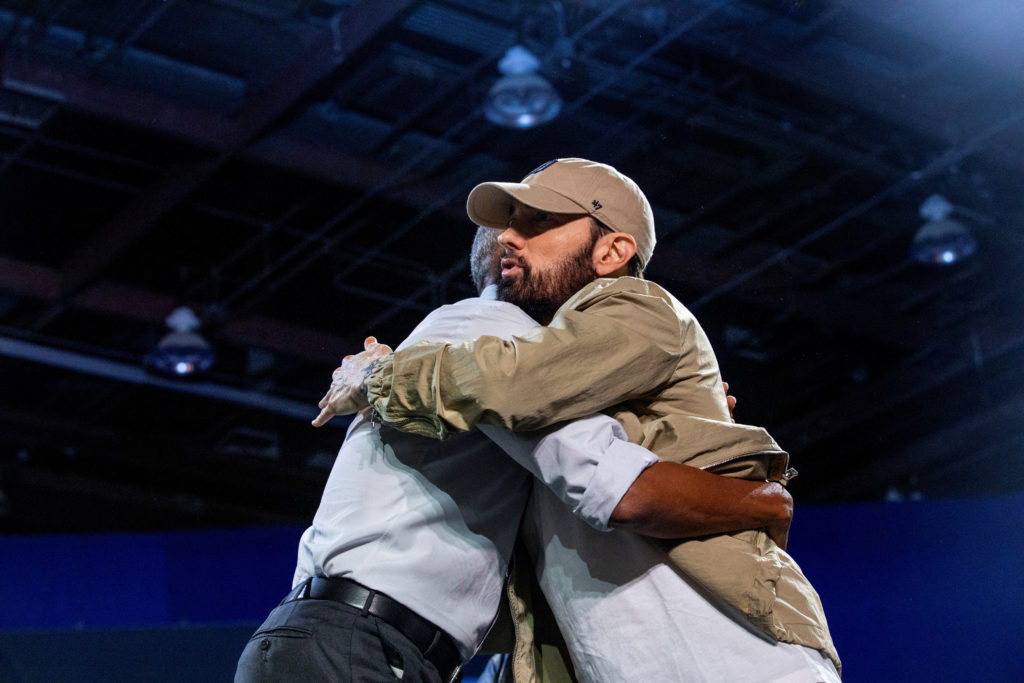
588,463
669,500
582,363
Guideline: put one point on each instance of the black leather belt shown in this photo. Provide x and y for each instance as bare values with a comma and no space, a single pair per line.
437,647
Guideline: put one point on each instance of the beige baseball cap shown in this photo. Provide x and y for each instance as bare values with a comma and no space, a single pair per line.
571,186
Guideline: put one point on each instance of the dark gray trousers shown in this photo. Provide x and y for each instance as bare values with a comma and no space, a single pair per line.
321,640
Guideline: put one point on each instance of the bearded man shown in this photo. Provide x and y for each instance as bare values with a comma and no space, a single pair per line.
576,234
401,571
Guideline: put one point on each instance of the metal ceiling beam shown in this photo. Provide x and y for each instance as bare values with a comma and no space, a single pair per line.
292,262
859,314
74,445
958,441
74,89
203,129
361,22
877,317
838,77
988,33
940,163
900,387
133,374
316,159
107,298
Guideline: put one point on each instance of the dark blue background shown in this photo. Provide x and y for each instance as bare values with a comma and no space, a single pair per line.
914,591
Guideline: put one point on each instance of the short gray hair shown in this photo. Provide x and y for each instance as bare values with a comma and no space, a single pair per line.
485,258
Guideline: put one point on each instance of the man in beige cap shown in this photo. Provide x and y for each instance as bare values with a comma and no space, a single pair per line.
621,221
401,572
573,232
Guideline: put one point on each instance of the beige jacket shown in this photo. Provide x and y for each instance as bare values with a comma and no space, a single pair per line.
630,344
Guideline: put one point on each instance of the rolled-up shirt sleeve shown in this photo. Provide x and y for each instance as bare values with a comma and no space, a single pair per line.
588,463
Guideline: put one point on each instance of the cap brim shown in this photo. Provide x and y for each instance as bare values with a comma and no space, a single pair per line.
488,204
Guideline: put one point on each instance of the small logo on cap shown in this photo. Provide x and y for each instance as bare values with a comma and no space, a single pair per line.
596,204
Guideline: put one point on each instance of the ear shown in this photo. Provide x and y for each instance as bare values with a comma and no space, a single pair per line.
612,253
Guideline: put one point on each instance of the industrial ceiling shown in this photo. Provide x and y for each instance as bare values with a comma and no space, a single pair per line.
295,171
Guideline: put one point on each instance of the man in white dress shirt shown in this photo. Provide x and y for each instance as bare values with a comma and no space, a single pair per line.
401,572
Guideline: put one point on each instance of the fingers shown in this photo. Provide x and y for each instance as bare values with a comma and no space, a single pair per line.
338,402
344,396
730,401
374,348
323,418
335,378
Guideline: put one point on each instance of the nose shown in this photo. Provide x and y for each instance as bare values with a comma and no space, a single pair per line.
510,238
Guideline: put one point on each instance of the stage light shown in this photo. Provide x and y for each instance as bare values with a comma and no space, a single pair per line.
182,352
521,98
941,240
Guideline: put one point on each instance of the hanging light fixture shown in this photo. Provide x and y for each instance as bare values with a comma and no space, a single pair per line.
521,98
941,240
183,351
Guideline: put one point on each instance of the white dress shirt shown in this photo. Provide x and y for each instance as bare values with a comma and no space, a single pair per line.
432,523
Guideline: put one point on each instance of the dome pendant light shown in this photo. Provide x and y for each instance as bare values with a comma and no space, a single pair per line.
520,98
941,240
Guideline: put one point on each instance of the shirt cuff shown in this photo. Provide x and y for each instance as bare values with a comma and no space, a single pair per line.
621,464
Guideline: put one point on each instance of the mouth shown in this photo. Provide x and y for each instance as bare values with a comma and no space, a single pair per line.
511,266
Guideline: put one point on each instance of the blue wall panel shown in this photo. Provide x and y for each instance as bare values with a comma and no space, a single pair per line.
929,590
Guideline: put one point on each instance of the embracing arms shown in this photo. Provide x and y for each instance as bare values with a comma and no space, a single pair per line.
670,500
616,345
664,499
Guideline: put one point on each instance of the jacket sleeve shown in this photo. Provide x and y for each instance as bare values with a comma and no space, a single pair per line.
602,349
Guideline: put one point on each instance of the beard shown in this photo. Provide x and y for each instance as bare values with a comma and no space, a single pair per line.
541,294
